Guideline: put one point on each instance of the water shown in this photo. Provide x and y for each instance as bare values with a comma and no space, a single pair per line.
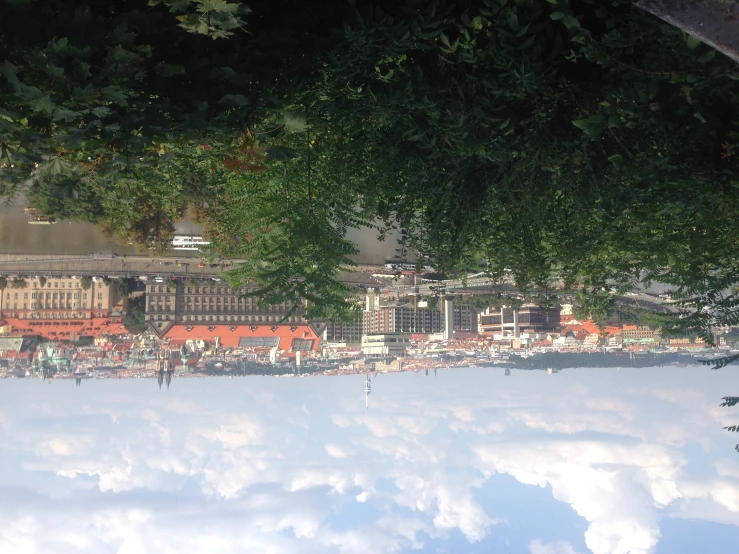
18,237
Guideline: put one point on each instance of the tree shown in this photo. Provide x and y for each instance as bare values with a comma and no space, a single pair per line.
134,320
579,140
86,282
124,286
3,282
731,401
171,283
18,283
42,281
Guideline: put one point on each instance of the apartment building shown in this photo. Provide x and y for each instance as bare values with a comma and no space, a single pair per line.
211,302
404,319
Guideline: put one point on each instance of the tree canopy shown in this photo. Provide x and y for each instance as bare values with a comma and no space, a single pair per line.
577,139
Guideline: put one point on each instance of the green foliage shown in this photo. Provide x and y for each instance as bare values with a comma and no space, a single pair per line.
42,281
86,282
171,283
125,286
134,320
578,140
3,282
18,283
729,401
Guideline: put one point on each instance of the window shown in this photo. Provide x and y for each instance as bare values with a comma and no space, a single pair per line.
56,285
34,295
301,344
100,305
76,295
268,342
25,295
84,296
100,296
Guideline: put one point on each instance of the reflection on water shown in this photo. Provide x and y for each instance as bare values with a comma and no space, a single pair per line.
588,460
64,237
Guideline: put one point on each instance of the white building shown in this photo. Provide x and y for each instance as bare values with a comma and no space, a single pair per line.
390,344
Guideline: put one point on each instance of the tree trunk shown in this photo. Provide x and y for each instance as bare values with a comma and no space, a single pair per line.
714,22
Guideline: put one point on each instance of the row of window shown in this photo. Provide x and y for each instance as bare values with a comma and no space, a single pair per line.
37,295
228,318
55,315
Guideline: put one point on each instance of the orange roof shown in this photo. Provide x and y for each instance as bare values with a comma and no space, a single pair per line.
231,335
62,329
629,327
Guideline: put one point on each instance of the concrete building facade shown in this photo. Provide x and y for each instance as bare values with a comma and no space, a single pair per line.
528,318
211,302
404,319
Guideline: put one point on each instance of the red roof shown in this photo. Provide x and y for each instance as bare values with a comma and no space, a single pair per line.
230,335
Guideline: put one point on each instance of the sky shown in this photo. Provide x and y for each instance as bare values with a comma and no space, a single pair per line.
600,461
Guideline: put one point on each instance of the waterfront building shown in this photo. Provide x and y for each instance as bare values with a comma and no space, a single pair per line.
221,315
60,309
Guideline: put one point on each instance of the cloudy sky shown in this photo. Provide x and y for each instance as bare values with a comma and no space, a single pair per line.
469,461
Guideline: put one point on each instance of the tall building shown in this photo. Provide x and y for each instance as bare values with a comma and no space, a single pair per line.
404,319
61,309
350,333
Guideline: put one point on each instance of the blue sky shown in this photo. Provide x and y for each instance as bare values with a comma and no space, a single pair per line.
469,461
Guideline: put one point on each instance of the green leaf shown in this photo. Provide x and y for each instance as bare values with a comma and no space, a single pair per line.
616,160
692,42
42,104
234,100
66,114
445,39
699,117
556,16
114,94
100,111
8,71
169,69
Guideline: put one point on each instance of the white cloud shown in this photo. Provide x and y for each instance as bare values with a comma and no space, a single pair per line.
212,471
559,547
